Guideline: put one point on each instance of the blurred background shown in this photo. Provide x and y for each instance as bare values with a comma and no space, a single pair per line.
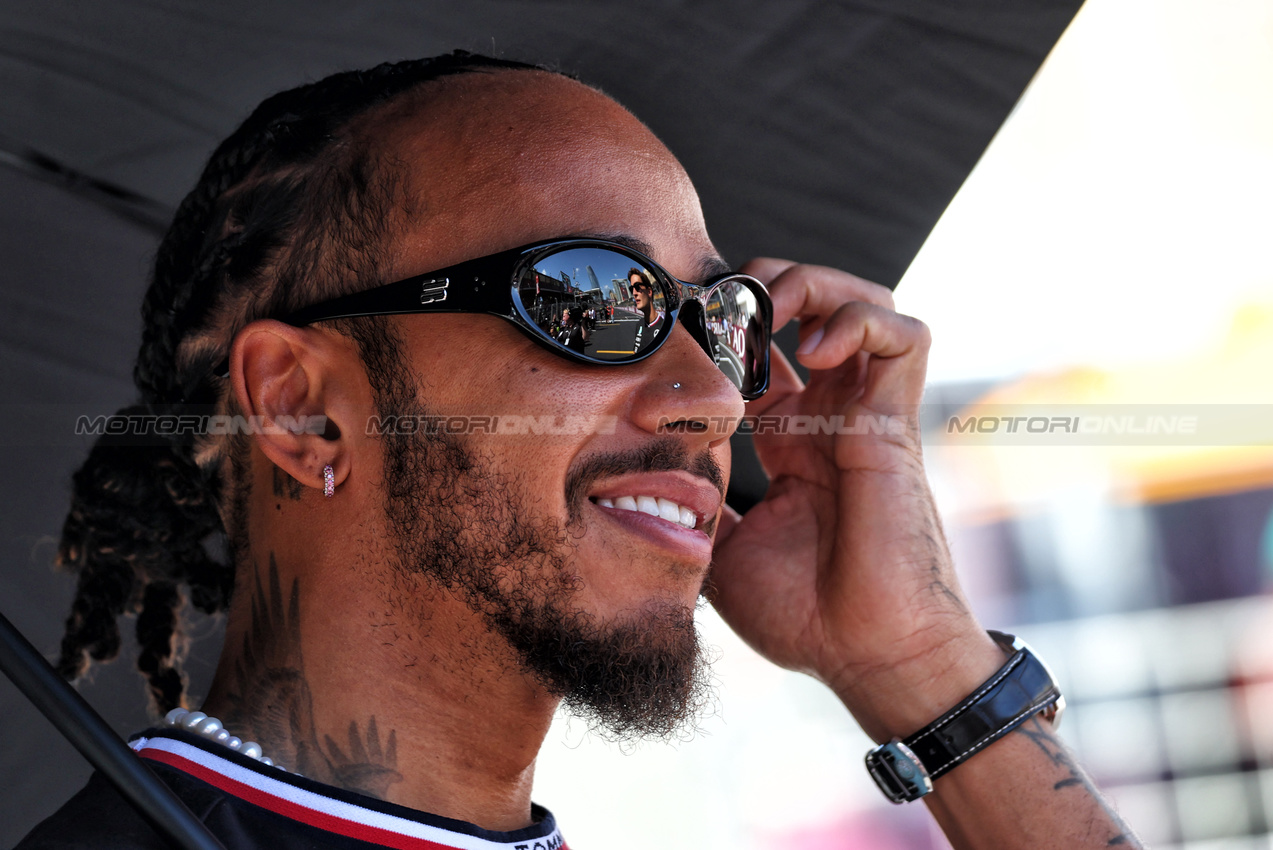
1107,261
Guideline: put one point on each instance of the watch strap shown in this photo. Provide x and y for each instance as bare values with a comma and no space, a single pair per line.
1019,690
904,769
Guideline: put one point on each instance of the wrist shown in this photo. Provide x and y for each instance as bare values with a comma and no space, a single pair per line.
894,699
905,768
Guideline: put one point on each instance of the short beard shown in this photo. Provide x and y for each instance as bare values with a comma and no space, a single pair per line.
645,679
451,521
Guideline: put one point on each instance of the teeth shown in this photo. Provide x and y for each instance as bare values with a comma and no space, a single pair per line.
659,507
669,510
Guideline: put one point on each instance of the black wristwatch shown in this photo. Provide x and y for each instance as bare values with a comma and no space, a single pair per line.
905,768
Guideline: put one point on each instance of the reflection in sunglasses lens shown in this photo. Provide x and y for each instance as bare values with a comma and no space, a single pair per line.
609,307
734,325
595,301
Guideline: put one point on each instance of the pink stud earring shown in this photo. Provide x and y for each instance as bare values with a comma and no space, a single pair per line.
329,481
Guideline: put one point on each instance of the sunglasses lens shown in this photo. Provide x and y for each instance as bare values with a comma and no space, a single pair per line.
612,308
738,331
596,302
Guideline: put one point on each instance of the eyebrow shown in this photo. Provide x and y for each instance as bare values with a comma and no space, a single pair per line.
709,265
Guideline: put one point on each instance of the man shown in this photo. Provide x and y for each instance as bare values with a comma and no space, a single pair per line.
574,330
651,317
410,604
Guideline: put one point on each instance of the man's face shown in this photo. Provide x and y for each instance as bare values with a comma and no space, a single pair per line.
534,530
640,293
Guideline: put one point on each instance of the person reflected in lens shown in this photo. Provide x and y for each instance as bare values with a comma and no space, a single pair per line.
643,300
574,331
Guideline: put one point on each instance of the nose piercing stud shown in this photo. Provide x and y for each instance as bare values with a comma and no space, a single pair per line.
676,386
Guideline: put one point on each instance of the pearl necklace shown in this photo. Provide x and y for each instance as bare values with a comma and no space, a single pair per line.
214,730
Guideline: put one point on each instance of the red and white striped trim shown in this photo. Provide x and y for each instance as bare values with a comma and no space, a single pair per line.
318,810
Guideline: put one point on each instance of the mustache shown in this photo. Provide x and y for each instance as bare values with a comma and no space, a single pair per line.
661,454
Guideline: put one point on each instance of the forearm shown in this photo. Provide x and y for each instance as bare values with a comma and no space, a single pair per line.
1025,790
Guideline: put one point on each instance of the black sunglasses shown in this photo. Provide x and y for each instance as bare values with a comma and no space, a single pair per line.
575,298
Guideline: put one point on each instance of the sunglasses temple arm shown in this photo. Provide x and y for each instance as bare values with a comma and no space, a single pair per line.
89,733
466,288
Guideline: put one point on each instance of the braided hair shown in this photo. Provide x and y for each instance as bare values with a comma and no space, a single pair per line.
292,208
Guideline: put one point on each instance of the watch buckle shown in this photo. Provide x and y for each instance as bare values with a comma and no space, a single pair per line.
899,772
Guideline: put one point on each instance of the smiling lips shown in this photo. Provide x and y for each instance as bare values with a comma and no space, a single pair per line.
673,509
659,507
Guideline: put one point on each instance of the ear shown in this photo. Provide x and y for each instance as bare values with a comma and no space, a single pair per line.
283,381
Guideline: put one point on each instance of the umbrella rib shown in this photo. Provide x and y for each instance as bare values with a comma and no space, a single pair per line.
139,209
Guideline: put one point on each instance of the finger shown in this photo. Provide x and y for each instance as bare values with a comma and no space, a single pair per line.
860,327
813,292
765,269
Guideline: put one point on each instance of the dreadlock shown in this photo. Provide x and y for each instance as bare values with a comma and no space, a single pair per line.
290,209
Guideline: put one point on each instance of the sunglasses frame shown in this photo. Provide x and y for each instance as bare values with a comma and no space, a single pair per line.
478,286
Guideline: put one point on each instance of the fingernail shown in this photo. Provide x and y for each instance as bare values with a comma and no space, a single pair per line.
810,343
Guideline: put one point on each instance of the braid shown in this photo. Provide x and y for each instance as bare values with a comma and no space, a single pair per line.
156,634
288,209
